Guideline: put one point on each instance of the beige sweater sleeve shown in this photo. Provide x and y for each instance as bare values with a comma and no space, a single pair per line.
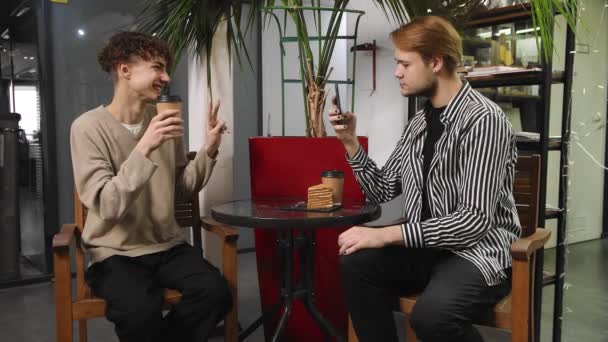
193,175
100,188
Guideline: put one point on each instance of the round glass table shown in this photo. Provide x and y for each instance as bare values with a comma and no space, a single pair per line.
295,227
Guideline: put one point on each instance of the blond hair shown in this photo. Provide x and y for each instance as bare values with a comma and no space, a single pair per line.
430,36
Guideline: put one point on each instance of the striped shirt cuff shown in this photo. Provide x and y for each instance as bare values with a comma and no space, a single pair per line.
359,160
412,235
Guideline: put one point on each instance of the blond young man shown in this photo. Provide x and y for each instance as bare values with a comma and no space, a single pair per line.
454,164
129,165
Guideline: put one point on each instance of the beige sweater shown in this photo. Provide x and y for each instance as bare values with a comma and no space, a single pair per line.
130,197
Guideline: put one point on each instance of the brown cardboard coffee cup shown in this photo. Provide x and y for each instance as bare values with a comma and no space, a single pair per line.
167,102
335,180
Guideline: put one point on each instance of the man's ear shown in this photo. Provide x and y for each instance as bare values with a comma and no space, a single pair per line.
437,63
123,70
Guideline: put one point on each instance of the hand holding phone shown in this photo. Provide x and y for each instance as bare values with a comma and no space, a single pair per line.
344,124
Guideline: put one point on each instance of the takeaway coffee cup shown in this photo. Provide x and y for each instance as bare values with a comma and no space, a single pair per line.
335,180
166,102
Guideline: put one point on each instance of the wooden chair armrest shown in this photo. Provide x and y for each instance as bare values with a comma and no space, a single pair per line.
65,236
223,231
229,237
523,248
63,281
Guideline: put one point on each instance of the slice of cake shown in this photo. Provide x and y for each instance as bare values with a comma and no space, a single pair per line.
319,196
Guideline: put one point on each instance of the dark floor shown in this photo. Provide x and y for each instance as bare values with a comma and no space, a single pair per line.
585,310
32,264
27,313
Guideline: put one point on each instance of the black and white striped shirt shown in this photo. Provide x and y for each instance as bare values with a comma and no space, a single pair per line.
470,183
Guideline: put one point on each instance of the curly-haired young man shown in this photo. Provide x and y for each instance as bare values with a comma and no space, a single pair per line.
129,164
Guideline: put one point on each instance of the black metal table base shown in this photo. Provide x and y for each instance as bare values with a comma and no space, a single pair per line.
304,291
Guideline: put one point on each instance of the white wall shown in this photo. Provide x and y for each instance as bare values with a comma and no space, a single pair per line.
236,87
220,187
589,125
382,115
586,189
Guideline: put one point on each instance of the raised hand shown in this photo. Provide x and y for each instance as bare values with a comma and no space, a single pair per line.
215,128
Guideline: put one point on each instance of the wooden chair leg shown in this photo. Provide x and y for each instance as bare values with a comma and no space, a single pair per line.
410,335
521,301
352,336
229,267
82,330
63,297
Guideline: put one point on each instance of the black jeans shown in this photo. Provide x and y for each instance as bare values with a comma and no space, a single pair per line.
454,293
133,289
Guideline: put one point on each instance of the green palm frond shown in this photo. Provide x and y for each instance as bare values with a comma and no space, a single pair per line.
395,9
191,24
543,13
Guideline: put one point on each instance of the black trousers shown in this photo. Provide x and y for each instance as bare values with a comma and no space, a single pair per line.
454,293
133,289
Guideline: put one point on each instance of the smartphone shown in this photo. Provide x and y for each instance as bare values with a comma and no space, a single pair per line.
337,91
338,104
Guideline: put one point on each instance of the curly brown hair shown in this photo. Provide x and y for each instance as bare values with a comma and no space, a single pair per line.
122,46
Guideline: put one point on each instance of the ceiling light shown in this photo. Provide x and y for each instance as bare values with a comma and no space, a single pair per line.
526,30
506,31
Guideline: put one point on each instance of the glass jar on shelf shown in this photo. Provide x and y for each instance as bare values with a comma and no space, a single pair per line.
511,44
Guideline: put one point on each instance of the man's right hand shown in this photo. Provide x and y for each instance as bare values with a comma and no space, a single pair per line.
345,124
165,125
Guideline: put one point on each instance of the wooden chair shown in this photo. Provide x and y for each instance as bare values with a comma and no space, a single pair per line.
516,311
86,305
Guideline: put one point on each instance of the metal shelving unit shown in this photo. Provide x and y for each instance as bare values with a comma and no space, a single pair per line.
544,79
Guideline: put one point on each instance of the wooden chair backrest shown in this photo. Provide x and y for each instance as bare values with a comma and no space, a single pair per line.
187,215
526,192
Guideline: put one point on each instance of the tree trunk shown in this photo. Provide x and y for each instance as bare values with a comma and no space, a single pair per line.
316,105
